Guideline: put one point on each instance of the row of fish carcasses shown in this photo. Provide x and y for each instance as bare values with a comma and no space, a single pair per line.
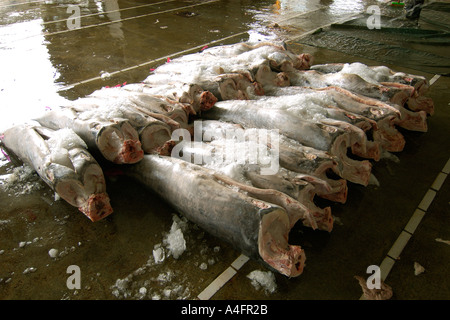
237,96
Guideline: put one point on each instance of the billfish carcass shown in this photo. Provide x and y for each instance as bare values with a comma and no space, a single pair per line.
333,123
61,159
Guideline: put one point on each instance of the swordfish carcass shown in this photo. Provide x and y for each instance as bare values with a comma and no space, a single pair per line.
257,228
173,113
295,194
385,76
351,82
116,139
328,135
277,54
60,158
229,72
153,117
372,116
298,163
191,94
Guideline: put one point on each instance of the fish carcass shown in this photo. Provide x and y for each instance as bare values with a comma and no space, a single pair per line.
372,116
116,139
260,176
386,76
304,163
60,158
231,72
257,228
320,133
191,94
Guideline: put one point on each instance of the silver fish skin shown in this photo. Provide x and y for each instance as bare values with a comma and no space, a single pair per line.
68,168
257,228
115,139
329,136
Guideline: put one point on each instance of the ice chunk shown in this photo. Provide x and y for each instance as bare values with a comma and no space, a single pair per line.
23,180
443,241
53,253
158,254
418,269
373,180
143,290
176,244
361,70
265,280
29,270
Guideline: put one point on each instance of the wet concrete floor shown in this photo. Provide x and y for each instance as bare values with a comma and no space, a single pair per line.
120,41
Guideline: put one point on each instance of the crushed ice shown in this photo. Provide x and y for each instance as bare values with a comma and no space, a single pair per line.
154,279
263,280
174,240
21,180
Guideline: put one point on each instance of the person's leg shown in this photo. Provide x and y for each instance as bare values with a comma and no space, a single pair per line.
413,8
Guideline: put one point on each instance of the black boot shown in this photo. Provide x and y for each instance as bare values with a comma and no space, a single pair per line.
413,9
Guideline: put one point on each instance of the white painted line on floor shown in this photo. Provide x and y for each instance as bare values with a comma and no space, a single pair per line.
223,278
111,11
401,242
347,18
434,79
386,267
427,199
399,245
130,18
240,261
300,14
447,167
414,221
172,55
112,22
437,184
218,283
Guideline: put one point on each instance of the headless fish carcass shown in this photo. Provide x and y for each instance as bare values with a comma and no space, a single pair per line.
60,158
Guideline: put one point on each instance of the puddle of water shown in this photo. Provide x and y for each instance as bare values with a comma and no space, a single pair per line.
29,79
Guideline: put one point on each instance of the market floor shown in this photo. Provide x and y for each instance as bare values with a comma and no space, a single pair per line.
120,41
